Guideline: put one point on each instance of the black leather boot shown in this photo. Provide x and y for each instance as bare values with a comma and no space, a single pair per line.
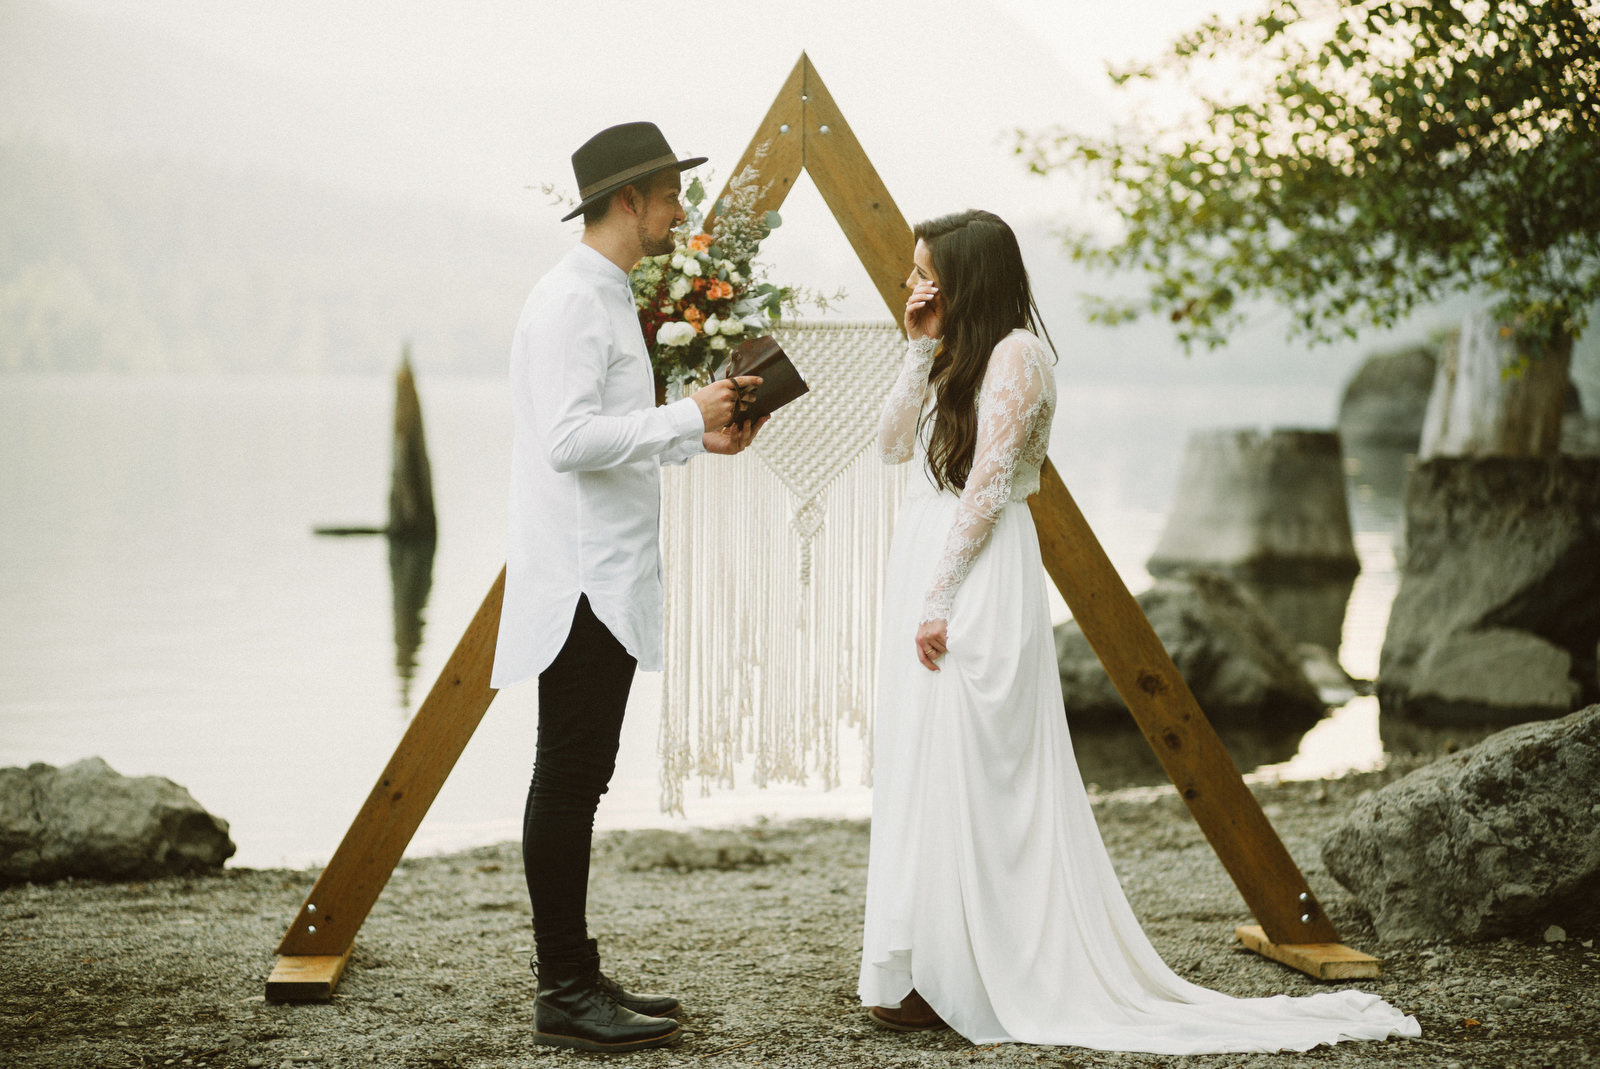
649,1005
574,1009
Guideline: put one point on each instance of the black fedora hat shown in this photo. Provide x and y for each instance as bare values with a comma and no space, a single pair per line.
619,155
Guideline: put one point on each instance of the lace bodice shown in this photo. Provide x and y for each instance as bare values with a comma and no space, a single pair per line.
1016,402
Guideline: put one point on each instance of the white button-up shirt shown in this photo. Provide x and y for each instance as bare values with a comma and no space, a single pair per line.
585,469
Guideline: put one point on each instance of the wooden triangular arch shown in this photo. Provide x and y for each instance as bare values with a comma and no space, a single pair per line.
804,130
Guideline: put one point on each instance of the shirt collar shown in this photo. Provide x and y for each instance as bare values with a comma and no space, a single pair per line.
596,264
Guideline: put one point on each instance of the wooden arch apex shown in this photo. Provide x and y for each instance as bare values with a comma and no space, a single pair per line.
805,130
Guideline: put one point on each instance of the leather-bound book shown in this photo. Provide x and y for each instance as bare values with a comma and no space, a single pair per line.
780,382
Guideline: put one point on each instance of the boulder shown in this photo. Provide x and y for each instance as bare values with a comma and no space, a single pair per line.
1240,667
87,820
1499,839
1497,614
1260,506
1497,392
1385,400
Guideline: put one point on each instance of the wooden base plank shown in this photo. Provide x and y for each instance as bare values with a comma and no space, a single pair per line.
1320,961
376,839
306,977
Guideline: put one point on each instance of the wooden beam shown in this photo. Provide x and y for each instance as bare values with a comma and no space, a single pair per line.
1172,722
306,978
855,194
328,920
1321,961
782,134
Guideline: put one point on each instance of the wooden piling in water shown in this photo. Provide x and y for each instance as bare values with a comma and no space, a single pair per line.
411,514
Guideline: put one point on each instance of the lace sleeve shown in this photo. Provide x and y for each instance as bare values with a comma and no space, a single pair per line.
1013,393
897,427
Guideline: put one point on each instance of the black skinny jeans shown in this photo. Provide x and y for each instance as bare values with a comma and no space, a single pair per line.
582,697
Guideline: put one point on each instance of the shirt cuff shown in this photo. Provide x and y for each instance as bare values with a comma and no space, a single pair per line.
685,419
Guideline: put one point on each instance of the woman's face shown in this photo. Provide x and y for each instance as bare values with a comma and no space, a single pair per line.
922,266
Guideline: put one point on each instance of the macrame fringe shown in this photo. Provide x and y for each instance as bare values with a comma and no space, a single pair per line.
774,575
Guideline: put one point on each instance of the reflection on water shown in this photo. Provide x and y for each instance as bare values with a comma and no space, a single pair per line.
1116,756
1401,736
1306,611
411,575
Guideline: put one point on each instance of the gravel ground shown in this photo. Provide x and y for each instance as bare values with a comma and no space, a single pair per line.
757,929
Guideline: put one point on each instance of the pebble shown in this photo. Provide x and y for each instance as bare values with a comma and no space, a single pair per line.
1555,934
1508,1002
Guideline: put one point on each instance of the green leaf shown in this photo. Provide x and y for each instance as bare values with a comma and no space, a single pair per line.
773,220
696,193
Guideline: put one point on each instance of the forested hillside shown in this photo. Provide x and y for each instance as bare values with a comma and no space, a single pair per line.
146,263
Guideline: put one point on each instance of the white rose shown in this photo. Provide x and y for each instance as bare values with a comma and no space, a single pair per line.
689,267
712,325
719,343
675,333
730,326
680,288
735,277
677,260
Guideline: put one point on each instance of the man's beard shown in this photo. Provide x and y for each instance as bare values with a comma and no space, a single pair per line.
654,246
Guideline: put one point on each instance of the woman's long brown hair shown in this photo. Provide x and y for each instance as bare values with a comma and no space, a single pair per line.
986,296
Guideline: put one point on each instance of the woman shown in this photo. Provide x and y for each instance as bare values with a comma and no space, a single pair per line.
991,902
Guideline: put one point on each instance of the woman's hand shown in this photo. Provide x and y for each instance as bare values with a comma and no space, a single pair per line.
924,312
931,643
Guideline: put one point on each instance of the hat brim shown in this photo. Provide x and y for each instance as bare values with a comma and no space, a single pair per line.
602,194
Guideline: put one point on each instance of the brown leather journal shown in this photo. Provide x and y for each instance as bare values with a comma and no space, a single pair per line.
780,382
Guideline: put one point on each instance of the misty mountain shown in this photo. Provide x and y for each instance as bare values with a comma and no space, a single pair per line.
128,262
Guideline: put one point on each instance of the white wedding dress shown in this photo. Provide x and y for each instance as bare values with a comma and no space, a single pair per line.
989,890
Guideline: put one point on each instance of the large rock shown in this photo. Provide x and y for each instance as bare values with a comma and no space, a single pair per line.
1260,506
1497,614
1240,667
1385,400
1497,392
1503,838
87,820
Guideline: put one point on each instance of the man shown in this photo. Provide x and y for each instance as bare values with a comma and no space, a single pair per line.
583,591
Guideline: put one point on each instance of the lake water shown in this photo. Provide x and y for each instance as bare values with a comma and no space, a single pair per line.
165,605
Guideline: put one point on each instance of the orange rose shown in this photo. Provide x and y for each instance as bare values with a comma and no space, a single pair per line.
719,290
700,242
694,317
699,285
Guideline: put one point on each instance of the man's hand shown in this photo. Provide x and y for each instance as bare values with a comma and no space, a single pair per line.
718,401
733,438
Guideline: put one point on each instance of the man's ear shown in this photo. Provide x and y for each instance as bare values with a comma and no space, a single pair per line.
632,200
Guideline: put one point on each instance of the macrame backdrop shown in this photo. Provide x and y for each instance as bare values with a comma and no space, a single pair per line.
773,563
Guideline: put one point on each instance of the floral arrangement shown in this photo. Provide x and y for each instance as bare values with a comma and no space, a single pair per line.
707,295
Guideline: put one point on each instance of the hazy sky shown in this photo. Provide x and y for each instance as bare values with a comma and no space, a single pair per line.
473,101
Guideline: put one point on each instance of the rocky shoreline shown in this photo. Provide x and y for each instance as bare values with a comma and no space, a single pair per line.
756,928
